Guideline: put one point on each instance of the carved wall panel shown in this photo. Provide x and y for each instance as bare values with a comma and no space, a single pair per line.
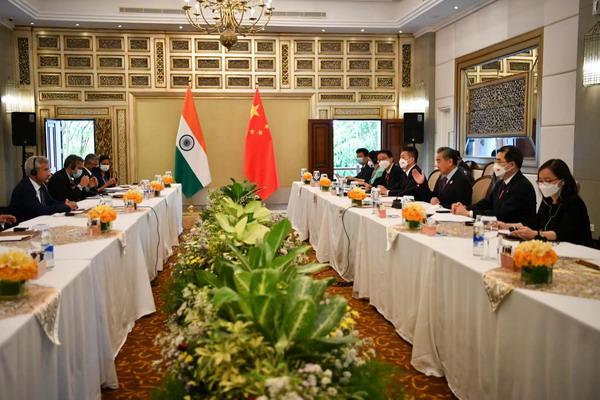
181,63
113,43
78,61
359,82
266,82
111,62
359,64
406,65
242,46
359,47
105,96
139,44
50,80
265,46
331,65
265,64
78,43
139,80
23,55
331,47
159,63
238,64
139,62
49,61
59,96
331,82
48,42
241,82
111,80
285,65
180,80
304,47
208,63
121,153
305,82
180,45
103,136
208,82
387,47
385,64
305,64
80,80
336,97
208,46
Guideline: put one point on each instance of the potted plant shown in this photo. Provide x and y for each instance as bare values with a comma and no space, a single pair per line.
536,261
16,268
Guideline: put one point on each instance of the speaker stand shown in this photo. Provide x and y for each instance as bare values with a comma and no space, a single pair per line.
23,158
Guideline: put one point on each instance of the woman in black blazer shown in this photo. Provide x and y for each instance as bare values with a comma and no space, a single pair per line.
103,174
562,216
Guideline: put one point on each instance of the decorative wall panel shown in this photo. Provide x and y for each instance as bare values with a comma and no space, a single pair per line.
336,97
360,64
265,64
139,44
498,107
111,80
208,63
23,53
78,61
266,82
78,43
60,96
359,47
159,63
181,45
304,47
110,43
80,80
242,46
385,47
105,96
265,46
305,64
111,62
285,65
181,63
305,82
331,82
48,61
139,81
208,82
241,82
180,80
238,64
121,153
385,64
331,47
331,65
359,82
50,42
50,80
208,46
384,82
376,98
139,62
103,136
406,65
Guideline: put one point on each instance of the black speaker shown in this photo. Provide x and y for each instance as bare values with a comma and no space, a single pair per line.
414,127
23,129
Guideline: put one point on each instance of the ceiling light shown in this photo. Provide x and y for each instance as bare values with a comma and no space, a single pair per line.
32,23
362,30
323,30
119,26
456,7
180,27
399,31
76,24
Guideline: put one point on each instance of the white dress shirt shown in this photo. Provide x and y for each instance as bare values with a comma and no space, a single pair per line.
37,188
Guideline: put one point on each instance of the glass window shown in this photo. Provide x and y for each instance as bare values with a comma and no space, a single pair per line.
350,135
68,136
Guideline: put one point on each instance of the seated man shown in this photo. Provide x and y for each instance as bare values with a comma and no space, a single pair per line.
408,162
512,199
30,198
63,186
362,157
89,163
6,220
392,177
451,187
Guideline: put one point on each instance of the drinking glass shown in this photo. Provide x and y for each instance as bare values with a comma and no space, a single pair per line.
316,175
490,238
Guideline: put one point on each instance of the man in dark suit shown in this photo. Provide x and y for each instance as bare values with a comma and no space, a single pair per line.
89,163
512,199
452,186
362,157
30,198
408,163
392,178
63,184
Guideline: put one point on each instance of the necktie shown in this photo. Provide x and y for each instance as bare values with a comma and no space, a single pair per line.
502,190
43,195
443,182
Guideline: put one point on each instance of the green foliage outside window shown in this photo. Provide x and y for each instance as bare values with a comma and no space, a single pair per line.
349,135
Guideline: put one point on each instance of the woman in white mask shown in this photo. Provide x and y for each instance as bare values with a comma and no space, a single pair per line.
562,215
103,174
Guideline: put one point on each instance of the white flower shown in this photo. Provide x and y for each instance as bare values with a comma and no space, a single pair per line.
277,385
325,381
332,391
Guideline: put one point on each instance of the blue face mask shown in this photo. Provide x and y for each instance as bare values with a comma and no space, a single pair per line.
77,174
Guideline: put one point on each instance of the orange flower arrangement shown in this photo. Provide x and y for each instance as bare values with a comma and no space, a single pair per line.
17,266
307,176
413,212
357,194
156,186
168,179
105,213
326,182
535,253
134,195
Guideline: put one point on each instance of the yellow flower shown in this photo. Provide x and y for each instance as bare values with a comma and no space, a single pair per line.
134,195
326,182
413,212
168,179
357,194
156,186
16,266
535,253
104,213
307,176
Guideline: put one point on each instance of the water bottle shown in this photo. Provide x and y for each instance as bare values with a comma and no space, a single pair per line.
48,248
478,233
375,199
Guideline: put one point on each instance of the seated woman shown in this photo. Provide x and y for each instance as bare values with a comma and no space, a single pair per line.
103,174
562,216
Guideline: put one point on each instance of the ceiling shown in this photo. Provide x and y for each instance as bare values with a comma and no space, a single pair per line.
332,16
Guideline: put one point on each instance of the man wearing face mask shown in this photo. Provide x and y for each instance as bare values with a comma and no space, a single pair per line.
366,170
452,186
391,176
408,162
562,214
63,185
512,199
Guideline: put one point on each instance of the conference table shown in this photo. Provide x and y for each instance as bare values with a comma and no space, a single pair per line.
104,288
536,345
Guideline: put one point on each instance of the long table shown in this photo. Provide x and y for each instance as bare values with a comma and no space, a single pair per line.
105,288
536,345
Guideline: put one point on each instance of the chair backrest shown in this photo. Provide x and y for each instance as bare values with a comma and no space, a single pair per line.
488,169
433,177
480,188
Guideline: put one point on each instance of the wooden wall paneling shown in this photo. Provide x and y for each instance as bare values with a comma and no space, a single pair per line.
320,145
103,136
393,136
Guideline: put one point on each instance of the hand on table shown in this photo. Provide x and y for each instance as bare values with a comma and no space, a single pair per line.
112,181
460,209
7,219
71,204
383,190
435,201
524,233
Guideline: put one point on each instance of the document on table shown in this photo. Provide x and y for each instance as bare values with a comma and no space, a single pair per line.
447,217
14,238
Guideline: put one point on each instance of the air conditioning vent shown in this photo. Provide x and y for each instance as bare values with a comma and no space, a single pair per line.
299,14
175,11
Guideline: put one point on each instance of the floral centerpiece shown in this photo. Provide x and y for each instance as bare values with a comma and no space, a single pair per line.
325,184
413,214
16,268
357,195
168,180
106,214
306,178
536,260
157,187
133,197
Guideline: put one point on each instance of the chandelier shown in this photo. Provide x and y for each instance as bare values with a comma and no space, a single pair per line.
229,18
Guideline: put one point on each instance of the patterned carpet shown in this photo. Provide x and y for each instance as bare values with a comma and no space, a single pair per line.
138,375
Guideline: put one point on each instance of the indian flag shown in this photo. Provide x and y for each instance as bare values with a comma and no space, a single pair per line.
191,160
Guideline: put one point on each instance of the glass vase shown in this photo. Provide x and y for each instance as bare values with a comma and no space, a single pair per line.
10,290
324,188
413,225
105,226
357,203
536,275
157,193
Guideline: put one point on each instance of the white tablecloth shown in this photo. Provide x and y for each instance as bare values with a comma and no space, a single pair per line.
536,346
105,288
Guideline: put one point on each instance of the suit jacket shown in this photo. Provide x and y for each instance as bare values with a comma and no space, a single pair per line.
365,173
511,203
61,187
25,205
392,180
457,189
89,174
409,186
102,177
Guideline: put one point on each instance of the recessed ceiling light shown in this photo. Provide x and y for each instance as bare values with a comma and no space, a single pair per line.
362,30
399,31
32,23
323,30
76,24
180,27
456,7
119,26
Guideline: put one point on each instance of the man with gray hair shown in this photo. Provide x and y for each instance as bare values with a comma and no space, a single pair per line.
30,198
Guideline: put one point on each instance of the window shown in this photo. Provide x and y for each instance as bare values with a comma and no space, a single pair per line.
349,135
68,136
497,92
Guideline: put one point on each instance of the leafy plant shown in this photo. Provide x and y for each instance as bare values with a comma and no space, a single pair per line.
240,192
243,224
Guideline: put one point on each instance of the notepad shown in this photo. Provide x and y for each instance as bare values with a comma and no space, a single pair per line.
14,238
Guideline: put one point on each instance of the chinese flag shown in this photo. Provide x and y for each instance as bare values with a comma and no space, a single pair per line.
260,166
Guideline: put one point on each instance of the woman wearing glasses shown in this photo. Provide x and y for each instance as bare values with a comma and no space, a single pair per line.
562,215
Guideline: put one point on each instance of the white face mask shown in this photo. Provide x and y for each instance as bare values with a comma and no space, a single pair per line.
384,164
360,160
499,170
104,167
403,163
548,189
